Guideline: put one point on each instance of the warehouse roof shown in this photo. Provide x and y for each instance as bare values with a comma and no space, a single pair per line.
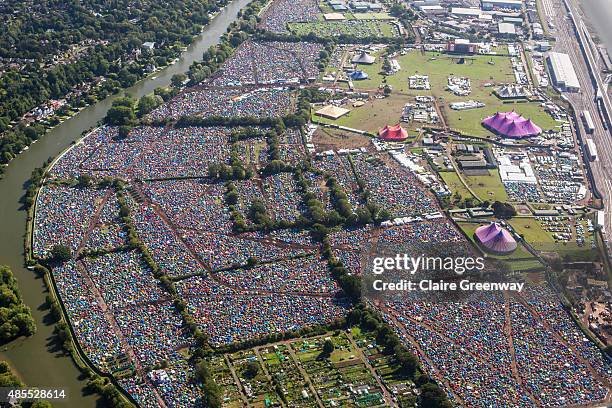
563,70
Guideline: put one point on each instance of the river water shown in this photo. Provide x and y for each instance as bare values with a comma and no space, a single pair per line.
36,359
599,13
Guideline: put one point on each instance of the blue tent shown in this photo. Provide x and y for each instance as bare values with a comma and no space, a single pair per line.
358,75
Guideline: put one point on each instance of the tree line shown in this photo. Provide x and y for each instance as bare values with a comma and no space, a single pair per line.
36,32
15,317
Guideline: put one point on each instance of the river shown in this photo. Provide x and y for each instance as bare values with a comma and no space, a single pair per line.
599,13
36,359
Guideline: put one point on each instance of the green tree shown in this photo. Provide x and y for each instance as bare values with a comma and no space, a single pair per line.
177,80
147,103
120,115
84,180
503,210
433,397
121,112
328,347
42,404
60,253
7,378
251,370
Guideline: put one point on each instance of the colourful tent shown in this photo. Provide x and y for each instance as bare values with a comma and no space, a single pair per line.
495,239
358,75
363,58
393,133
512,125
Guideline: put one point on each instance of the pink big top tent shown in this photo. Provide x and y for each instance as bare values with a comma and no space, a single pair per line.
511,124
393,133
495,239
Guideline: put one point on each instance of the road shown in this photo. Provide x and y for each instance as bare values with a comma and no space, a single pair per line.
567,42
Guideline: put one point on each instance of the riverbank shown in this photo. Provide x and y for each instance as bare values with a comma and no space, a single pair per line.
37,359
598,14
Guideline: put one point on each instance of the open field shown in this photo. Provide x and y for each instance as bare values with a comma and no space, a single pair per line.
519,260
372,116
452,181
487,187
544,241
468,121
532,231
539,239
480,69
329,138
370,16
438,67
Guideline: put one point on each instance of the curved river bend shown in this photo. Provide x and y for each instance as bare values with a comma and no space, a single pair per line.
37,361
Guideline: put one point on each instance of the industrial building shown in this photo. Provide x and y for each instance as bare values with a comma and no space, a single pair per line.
562,72
433,9
501,4
506,30
461,46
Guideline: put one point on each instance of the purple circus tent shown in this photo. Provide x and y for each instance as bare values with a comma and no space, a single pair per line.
511,124
495,239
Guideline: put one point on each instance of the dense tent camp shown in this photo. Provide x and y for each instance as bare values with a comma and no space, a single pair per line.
363,58
358,75
393,133
495,239
511,125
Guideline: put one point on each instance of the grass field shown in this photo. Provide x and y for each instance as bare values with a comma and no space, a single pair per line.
468,121
370,16
373,115
438,67
533,232
543,241
519,260
452,181
480,69
487,187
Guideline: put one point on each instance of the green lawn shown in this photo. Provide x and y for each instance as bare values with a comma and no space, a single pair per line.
533,232
373,115
438,67
542,240
480,71
341,355
371,16
519,260
487,187
452,181
468,121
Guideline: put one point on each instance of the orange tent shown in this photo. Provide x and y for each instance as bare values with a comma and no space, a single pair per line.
393,133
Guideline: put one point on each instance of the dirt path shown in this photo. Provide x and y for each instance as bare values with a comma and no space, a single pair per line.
304,374
242,393
436,373
93,221
205,267
387,395
266,372
514,366
110,318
